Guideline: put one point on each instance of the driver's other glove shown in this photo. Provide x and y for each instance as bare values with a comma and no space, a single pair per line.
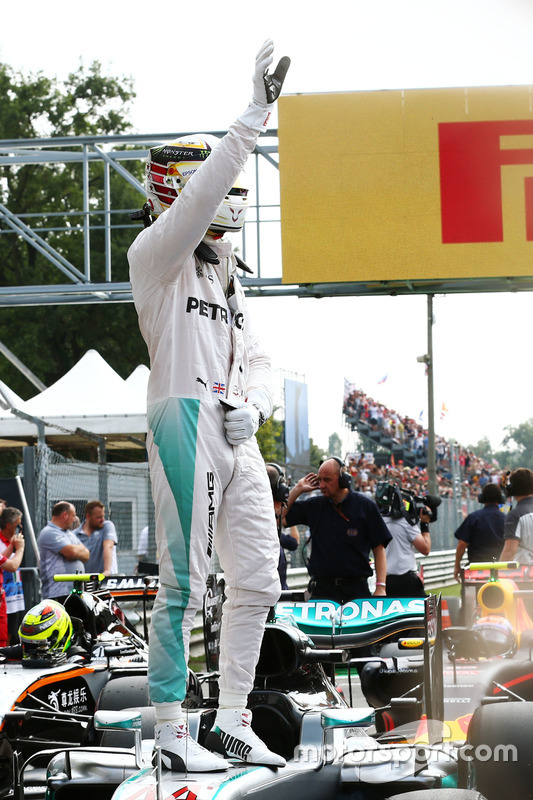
267,88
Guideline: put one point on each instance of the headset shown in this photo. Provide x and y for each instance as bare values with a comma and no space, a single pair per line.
345,479
280,490
484,497
518,482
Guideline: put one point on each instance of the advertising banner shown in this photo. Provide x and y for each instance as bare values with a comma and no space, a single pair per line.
407,185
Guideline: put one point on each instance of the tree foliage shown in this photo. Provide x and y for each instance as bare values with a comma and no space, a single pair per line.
51,339
483,449
316,455
517,450
335,445
270,438
519,446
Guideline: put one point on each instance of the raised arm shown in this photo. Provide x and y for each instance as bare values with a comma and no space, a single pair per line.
165,246
309,483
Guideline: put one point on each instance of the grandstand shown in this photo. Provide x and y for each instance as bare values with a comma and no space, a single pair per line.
384,432
398,441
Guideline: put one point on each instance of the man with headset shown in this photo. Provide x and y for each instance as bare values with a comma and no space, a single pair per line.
518,528
345,526
481,532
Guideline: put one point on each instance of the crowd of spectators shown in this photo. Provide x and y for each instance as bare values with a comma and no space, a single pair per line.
474,472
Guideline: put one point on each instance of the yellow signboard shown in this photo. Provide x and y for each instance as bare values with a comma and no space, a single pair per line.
407,185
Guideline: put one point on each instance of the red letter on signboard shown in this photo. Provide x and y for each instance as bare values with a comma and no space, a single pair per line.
471,158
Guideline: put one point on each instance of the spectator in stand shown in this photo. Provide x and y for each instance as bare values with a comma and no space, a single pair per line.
10,561
358,406
481,533
61,552
364,488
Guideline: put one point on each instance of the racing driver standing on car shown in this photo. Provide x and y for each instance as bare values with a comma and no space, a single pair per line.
208,393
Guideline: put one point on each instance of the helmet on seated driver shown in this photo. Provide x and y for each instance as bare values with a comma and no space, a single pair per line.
497,636
45,632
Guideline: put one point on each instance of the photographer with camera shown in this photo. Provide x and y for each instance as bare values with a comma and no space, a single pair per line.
407,518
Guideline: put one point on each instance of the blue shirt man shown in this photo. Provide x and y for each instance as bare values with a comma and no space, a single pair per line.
61,552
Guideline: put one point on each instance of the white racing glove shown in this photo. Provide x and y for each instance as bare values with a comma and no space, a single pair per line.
267,88
243,422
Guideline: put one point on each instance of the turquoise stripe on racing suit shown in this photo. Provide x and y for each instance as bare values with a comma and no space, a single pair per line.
174,424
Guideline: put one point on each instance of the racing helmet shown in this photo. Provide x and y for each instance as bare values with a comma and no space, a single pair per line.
497,636
169,167
45,632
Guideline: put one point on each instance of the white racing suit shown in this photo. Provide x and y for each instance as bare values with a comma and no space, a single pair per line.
206,491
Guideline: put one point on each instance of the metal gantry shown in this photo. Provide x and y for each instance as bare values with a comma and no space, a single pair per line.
259,243
77,284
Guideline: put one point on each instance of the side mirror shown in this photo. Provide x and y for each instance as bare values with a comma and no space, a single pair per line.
122,721
347,718
337,719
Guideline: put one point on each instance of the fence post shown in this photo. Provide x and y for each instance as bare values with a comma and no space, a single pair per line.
30,492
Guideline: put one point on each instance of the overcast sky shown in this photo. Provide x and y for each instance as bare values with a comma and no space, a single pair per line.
192,66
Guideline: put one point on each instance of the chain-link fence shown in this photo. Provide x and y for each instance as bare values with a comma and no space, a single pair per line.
124,489
126,493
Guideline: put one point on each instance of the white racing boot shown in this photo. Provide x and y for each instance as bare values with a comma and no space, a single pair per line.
232,735
181,753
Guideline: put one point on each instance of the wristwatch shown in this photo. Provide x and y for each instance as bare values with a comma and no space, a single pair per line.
262,418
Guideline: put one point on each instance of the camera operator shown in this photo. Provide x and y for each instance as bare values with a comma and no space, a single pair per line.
408,536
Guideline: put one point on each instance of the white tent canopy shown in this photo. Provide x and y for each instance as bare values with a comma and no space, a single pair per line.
90,396
9,399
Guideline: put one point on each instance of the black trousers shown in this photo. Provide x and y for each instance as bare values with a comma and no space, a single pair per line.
406,585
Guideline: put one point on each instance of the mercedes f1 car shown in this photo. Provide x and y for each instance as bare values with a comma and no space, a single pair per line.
414,726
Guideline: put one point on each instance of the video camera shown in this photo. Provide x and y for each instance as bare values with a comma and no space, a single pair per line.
394,501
